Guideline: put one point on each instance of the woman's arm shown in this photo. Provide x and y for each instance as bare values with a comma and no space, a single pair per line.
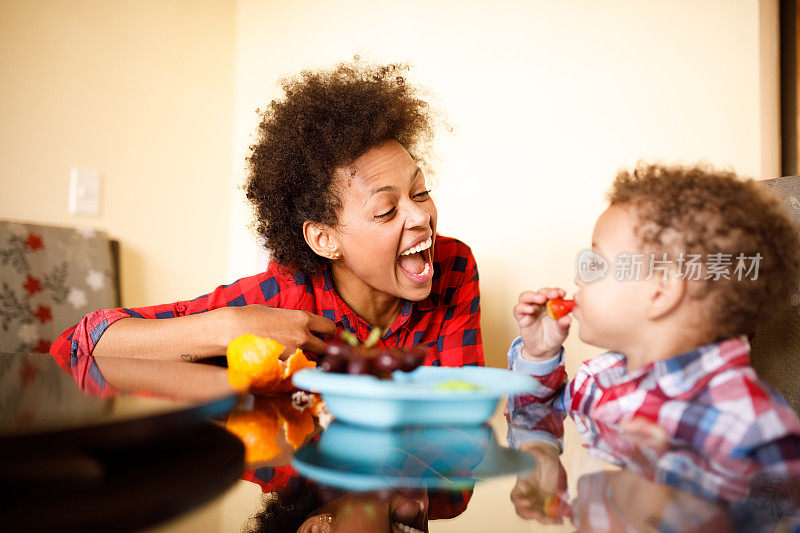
207,334
188,337
190,330
165,378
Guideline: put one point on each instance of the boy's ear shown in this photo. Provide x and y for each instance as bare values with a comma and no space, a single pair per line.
321,239
667,294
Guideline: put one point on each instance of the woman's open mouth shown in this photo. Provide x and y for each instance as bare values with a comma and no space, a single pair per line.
416,262
409,515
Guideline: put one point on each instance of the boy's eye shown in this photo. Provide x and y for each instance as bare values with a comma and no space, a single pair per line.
422,195
386,214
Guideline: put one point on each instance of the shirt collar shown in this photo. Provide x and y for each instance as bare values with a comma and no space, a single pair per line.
680,376
689,372
347,318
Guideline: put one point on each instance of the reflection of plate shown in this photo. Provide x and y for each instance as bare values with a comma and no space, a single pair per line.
413,398
358,458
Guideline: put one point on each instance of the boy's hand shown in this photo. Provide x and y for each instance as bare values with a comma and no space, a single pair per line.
541,335
542,494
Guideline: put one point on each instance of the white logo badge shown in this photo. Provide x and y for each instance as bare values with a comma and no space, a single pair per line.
591,266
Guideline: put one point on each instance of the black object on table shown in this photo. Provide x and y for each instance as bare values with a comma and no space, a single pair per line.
71,462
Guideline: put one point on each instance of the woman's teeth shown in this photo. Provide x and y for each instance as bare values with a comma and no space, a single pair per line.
407,529
418,248
425,270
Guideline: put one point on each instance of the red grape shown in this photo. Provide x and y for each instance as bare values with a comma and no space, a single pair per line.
385,362
358,365
343,356
334,362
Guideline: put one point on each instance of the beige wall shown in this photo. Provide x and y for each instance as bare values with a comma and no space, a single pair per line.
143,93
548,99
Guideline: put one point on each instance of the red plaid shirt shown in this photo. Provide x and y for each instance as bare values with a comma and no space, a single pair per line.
709,398
447,321
442,503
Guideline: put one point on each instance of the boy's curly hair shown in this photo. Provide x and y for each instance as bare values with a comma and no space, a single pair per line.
699,210
326,120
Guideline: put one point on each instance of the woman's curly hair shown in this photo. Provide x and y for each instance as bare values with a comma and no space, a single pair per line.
326,120
701,211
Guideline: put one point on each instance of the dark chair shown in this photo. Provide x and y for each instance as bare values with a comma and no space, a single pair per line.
776,347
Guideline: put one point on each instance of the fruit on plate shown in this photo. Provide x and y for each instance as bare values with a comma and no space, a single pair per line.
558,307
254,364
346,355
458,385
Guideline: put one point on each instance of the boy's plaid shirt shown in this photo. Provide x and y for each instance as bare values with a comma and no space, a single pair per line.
709,399
447,321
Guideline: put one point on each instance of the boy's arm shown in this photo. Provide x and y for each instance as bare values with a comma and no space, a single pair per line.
550,376
536,422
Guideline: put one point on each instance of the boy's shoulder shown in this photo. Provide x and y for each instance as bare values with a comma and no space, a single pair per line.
741,392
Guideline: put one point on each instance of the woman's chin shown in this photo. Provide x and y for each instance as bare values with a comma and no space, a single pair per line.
419,294
414,292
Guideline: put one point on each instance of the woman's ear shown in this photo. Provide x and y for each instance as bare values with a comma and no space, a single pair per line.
321,239
667,294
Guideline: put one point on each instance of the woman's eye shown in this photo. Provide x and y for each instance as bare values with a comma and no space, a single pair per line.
386,214
422,195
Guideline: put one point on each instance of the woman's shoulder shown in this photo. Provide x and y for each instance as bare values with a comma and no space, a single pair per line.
278,285
455,270
288,279
453,255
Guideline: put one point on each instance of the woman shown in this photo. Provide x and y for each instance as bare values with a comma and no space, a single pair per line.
351,227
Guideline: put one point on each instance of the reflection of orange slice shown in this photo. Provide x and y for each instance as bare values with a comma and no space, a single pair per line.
254,363
297,424
258,431
261,428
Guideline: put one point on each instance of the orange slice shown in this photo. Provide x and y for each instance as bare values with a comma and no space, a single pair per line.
297,361
254,364
257,358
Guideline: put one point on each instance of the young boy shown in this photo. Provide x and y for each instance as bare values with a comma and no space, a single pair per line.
685,262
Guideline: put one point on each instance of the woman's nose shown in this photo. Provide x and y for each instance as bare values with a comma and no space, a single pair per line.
417,216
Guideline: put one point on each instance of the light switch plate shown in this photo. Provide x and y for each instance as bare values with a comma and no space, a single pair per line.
84,191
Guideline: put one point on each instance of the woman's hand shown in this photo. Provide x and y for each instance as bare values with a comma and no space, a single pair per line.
541,335
291,327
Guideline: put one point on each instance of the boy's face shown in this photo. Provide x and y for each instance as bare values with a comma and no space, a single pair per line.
611,311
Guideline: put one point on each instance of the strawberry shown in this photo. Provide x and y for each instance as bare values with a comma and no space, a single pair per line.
551,506
559,307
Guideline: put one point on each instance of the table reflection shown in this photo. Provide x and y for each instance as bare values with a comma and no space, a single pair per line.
559,470
661,485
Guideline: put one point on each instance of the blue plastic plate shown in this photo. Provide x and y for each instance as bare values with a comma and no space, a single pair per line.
413,398
454,457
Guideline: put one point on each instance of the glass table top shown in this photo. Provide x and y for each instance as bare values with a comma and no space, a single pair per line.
537,468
